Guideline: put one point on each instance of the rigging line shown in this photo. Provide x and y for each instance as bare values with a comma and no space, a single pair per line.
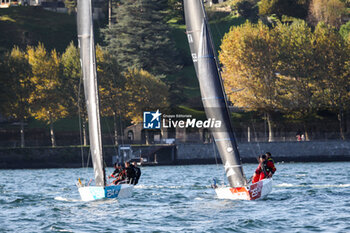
121,129
109,128
256,136
88,160
109,133
215,154
216,159
79,118
115,138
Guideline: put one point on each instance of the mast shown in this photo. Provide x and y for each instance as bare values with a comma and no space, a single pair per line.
212,90
88,64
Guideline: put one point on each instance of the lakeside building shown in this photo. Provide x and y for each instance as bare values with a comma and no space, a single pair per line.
137,134
8,3
53,5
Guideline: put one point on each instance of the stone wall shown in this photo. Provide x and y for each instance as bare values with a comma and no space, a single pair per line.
281,151
70,157
75,157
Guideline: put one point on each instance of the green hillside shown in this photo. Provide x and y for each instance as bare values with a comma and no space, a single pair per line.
220,23
24,26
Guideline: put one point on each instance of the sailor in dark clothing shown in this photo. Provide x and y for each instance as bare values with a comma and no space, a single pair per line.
121,179
270,164
137,173
117,170
130,173
118,173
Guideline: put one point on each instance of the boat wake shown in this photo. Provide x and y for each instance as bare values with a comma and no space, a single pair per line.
172,186
287,185
66,199
158,187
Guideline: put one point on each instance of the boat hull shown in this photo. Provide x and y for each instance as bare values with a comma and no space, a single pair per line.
91,193
255,191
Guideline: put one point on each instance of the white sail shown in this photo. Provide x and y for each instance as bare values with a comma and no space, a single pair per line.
88,64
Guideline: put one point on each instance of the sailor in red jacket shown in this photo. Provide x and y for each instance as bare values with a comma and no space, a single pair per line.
258,171
265,169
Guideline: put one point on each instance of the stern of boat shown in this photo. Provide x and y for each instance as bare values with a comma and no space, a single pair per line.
255,191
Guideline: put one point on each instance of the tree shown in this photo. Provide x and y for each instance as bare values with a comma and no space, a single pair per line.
147,92
295,71
47,102
73,86
114,97
246,8
249,63
345,31
70,5
175,11
16,87
327,11
140,37
297,9
333,77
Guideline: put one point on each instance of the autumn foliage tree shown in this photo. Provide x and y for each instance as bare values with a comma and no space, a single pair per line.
327,11
250,60
46,100
16,87
332,71
147,92
114,97
72,84
289,69
295,71
297,9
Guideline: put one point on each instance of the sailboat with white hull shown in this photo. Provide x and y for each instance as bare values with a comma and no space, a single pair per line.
215,105
88,64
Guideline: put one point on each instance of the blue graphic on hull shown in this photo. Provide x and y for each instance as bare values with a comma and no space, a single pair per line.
112,191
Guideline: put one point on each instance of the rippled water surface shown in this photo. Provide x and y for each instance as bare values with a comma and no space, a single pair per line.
306,197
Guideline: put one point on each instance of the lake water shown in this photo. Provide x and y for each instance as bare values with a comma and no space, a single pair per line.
306,197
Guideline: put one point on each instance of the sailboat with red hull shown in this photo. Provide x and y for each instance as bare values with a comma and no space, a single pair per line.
215,104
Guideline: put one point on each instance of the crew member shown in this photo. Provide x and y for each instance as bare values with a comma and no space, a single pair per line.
117,169
137,173
130,173
270,164
120,176
261,172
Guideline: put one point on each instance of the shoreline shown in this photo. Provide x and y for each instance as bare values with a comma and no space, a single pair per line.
179,154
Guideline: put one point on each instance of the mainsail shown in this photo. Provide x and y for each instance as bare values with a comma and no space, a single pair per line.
211,87
88,64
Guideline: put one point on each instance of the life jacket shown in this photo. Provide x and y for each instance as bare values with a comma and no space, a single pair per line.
122,174
271,165
130,172
265,169
271,160
137,172
116,172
